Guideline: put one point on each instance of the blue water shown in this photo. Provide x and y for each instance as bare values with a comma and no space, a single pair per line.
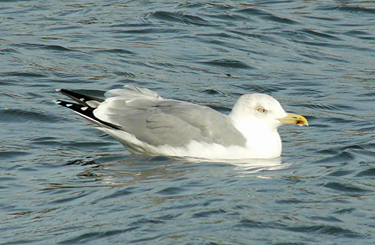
63,182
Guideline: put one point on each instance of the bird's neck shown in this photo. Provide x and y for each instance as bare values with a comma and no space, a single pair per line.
260,139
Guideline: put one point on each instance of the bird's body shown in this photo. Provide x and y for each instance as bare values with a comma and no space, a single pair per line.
144,122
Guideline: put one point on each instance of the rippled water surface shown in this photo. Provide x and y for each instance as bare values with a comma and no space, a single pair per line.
63,182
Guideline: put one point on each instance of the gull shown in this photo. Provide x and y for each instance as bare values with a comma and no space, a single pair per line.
146,123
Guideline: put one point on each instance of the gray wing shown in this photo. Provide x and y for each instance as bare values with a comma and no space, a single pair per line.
158,121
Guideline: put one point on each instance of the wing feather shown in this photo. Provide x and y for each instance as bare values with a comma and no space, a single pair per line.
158,121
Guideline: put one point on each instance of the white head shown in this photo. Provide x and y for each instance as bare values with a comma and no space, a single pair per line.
257,117
258,110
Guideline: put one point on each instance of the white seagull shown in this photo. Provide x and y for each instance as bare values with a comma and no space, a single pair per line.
146,123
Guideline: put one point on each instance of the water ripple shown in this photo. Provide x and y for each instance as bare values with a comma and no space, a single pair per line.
345,188
179,17
94,236
228,63
367,173
266,15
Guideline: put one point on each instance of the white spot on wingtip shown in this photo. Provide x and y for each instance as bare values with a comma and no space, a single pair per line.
58,102
82,99
84,108
69,105
58,90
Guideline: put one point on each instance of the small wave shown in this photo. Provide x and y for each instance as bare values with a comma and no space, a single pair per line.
179,17
228,63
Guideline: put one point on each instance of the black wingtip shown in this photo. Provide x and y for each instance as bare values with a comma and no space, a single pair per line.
59,102
70,105
80,98
86,112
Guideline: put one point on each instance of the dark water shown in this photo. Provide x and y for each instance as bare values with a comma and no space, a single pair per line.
63,182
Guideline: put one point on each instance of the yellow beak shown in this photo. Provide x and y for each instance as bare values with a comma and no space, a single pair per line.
294,119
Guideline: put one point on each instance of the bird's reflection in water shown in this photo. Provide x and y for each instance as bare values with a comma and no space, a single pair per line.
134,169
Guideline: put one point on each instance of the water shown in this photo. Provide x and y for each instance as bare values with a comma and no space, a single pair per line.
63,182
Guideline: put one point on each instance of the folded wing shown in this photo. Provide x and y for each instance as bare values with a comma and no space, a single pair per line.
158,121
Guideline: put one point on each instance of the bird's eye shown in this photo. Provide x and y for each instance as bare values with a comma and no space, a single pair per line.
262,110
